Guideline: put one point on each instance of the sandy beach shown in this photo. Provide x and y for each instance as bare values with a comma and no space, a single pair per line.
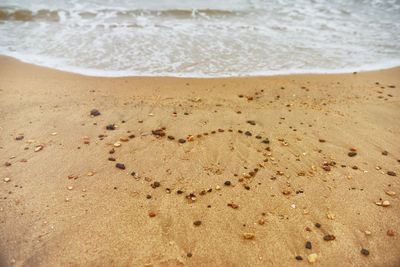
292,170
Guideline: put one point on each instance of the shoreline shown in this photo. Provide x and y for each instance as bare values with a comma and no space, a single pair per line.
127,74
246,171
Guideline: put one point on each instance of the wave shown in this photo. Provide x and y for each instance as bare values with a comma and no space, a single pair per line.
12,14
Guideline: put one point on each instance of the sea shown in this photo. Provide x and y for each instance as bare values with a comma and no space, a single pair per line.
199,38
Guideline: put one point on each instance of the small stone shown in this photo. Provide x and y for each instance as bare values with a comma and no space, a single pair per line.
261,221
117,144
94,112
155,184
391,173
329,237
182,141
352,154
170,137
19,137
110,127
189,255
111,159
308,245
312,257
367,232
7,164
227,183
386,203
233,206
330,216
248,133
391,232
251,122
70,187
299,258
67,199
364,251
248,236
152,214
38,148
197,223
390,193
385,153
217,187
90,173
124,139
318,225
120,166
7,179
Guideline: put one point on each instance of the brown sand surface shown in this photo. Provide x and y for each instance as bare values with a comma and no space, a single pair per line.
68,205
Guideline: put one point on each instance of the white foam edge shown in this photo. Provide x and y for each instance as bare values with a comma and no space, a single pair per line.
58,64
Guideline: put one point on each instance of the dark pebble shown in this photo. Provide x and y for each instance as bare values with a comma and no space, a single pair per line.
391,173
111,159
189,255
110,127
120,166
158,132
227,183
308,245
248,133
95,112
385,153
251,122
329,237
133,173
19,137
365,251
318,225
170,137
197,223
322,140
258,136
155,184
182,141
132,136
266,141
352,154
299,258
148,197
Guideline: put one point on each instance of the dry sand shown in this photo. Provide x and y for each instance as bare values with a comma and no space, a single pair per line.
68,205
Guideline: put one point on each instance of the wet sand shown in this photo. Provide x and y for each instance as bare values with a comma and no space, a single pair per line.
265,171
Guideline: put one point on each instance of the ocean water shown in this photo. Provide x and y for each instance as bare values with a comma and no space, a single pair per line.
199,38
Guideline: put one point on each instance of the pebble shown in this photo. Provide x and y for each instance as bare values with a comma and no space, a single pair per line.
70,187
7,179
7,164
308,245
155,185
385,153
19,137
120,166
329,237
318,225
352,154
248,236
233,206
152,214
38,148
261,221
386,203
312,257
330,216
197,223
182,141
391,232
390,193
391,173
251,122
95,112
124,139
227,183
117,144
110,127
299,258
367,232
364,251
248,133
